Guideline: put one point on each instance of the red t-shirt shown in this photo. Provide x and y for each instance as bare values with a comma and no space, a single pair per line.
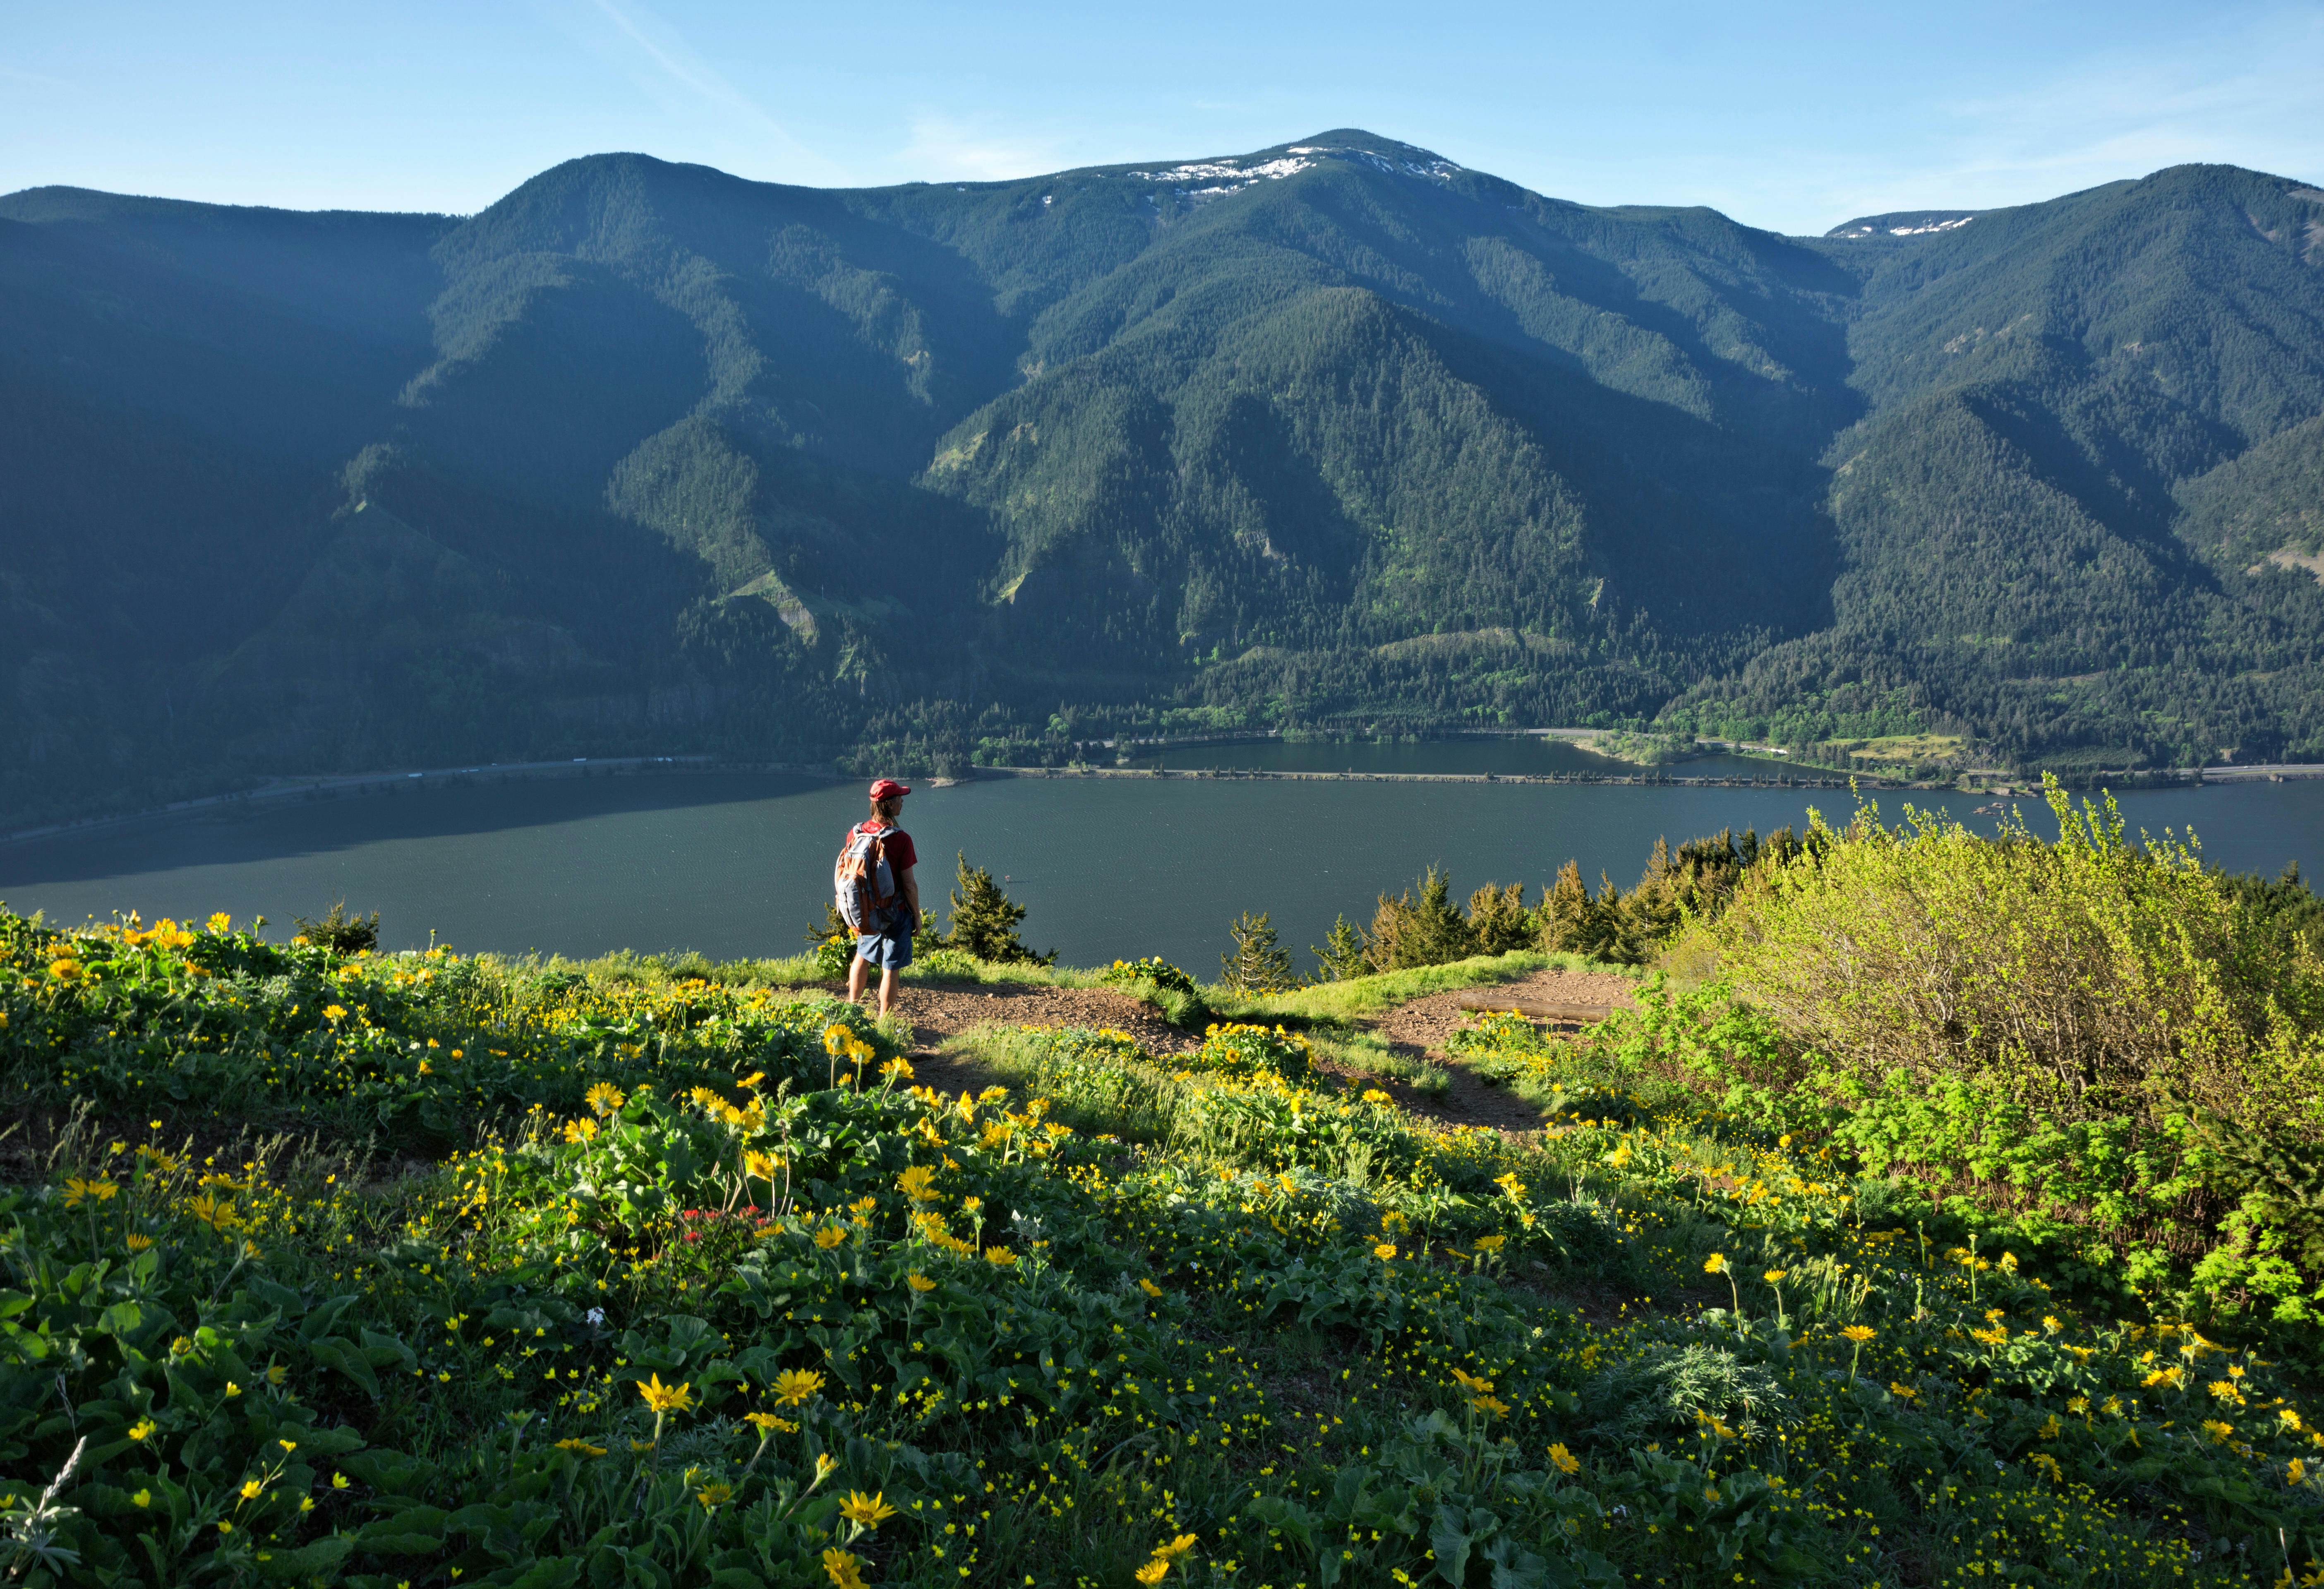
898,847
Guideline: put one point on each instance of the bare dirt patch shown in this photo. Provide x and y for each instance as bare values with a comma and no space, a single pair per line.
1418,1031
936,1012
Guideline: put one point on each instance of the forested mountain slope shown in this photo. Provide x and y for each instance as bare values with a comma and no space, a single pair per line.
1337,433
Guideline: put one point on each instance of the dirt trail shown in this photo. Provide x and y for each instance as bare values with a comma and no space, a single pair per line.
1417,1029
1420,1030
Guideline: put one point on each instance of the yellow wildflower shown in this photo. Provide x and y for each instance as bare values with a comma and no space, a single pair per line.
796,1386
77,1191
664,1399
1562,1460
866,1511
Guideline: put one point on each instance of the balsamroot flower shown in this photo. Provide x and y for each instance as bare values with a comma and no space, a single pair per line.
1562,1460
603,1098
666,1398
843,1570
77,1191
865,1511
795,1387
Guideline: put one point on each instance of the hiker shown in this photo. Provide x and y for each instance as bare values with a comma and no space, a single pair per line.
877,895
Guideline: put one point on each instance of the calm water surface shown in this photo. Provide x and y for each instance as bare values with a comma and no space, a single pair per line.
738,865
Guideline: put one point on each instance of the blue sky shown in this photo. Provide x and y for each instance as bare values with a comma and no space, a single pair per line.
1789,116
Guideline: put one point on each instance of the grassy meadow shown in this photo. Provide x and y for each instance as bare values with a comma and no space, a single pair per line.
1937,1219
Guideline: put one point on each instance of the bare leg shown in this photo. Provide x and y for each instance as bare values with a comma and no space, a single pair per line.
857,969
887,991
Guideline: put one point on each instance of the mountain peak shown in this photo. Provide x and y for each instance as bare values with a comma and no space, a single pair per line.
1206,179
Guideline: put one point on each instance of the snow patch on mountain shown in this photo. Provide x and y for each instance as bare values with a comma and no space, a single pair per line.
1901,226
1218,178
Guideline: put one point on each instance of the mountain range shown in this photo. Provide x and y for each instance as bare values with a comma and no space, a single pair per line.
1334,435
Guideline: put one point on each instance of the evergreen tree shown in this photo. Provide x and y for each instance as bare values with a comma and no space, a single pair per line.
984,921
1342,954
1257,963
1499,920
1427,932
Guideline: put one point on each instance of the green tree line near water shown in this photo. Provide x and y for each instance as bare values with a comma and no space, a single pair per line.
1426,925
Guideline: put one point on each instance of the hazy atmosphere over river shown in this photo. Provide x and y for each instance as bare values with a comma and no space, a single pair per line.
739,865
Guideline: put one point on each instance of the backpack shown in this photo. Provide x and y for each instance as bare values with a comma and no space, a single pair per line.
863,883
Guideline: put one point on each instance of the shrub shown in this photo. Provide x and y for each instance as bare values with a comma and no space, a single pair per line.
2094,1033
339,932
1151,969
1234,1050
1165,986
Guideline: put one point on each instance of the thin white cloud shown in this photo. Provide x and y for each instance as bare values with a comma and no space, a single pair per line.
14,75
2239,101
944,148
660,59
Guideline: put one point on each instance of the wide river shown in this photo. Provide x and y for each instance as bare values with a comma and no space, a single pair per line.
736,864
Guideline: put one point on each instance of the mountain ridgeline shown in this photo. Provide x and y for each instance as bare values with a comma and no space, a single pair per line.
1337,435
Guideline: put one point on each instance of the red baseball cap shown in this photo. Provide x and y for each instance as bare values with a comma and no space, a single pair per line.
887,788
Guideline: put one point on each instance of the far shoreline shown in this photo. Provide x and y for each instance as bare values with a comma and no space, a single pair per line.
1782,775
